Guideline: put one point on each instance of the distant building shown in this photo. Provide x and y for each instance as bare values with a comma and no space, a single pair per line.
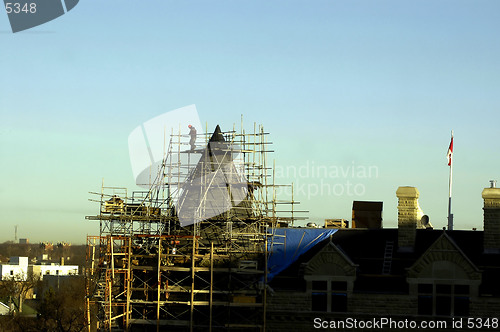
19,268
24,241
16,268
54,270
47,246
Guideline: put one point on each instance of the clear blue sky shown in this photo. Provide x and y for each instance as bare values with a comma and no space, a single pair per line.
336,83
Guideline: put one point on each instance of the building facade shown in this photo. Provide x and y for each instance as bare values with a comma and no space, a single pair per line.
17,268
422,275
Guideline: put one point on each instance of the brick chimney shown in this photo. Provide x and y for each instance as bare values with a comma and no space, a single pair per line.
491,210
407,217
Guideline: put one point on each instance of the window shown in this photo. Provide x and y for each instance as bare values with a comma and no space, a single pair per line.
329,295
319,295
461,300
443,299
339,296
425,299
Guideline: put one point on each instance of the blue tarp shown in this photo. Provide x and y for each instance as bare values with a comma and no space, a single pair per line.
288,244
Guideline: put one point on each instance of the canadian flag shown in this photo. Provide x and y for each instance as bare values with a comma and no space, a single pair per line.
450,152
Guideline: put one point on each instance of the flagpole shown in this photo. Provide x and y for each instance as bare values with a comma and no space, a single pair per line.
450,215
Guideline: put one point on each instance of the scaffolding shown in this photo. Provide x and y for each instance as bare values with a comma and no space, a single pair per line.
191,252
